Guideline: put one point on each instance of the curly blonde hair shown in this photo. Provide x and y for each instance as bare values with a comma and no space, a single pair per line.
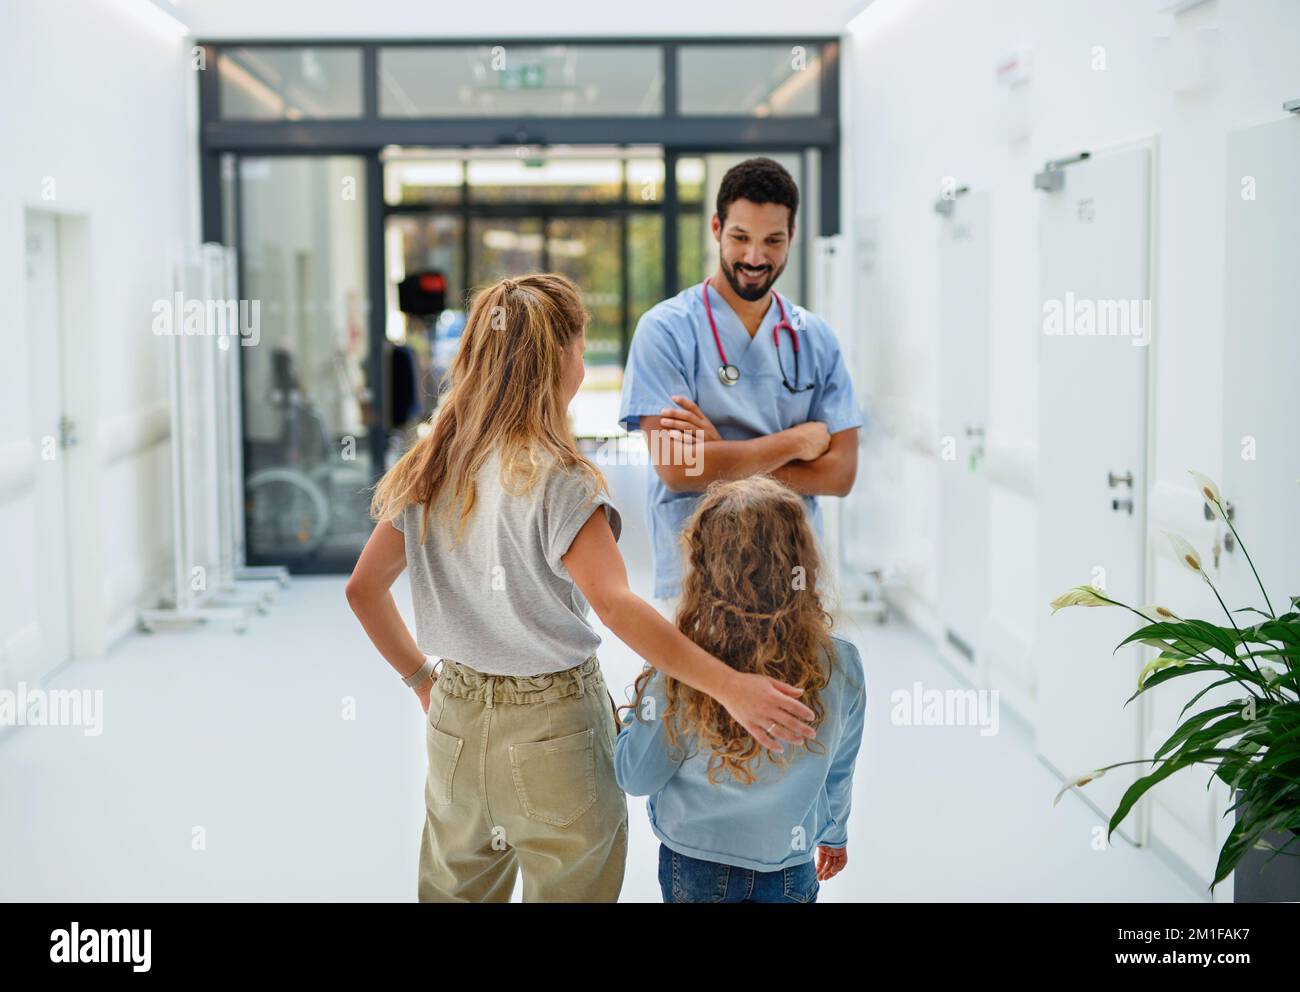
750,597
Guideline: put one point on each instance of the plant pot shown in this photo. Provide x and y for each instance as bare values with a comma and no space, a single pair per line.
1278,880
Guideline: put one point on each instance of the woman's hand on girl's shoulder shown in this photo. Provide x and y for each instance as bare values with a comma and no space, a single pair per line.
769,709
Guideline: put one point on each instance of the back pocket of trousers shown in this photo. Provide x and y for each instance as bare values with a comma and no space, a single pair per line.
555,780
444,752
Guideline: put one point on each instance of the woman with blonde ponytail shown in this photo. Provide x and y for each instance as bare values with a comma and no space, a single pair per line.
494,512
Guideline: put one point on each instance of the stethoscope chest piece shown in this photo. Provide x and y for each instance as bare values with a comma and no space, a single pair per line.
730,375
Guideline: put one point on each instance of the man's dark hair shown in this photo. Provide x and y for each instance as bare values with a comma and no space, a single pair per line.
759,180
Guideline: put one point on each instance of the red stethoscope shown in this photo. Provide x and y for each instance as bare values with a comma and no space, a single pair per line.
730,375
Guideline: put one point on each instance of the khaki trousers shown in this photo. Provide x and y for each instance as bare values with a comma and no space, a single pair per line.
521,776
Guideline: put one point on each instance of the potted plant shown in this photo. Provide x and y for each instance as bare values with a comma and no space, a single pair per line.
1252,743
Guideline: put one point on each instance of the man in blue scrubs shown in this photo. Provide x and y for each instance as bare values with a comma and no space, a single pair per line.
717,398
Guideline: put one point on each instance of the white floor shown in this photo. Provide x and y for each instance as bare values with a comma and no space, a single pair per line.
287,763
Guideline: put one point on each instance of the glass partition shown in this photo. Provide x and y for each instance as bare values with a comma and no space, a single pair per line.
264,83
306,396
420,182
589,251
545,180
520,80
645,180
756,80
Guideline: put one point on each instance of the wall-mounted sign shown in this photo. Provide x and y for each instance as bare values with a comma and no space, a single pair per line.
522,77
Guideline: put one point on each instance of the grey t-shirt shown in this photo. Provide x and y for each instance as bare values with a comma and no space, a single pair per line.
501,601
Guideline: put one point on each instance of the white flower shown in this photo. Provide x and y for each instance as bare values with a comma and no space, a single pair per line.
1209,492
1158,614
1164,661
1078,596
1078,783
1186,553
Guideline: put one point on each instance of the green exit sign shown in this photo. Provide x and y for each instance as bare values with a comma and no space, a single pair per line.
522,77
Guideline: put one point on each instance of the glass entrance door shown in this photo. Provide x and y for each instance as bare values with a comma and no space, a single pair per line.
587,249
299,223
504,246
593,216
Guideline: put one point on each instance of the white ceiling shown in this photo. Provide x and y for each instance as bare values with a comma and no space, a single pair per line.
217,19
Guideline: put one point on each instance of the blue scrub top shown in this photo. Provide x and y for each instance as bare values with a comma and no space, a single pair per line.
673,352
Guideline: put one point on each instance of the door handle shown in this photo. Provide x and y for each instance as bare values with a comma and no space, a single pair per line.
1228,541
1227,509
1122,504
1114,480
67,432
977,447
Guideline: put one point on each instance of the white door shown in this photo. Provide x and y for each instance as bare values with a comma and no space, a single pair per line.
1261,364
866,542
831,287
1094,240
965,268
50,439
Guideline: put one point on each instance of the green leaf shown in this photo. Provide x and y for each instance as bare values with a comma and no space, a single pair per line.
1189,730
1240,673
1245,833
1294,839
1212,685
1188,636
1157,643
1288,632
1140,787
1229,726
1233,769
1251,609
1224,639
1277,652
1241,838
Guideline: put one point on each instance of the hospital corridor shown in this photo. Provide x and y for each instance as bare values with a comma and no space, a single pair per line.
833,453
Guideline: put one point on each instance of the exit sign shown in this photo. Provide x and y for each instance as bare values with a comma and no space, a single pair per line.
522,77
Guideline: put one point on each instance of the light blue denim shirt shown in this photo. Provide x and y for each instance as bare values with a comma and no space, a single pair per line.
775,822
673,353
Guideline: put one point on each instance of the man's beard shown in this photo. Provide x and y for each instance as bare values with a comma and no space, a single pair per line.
755,291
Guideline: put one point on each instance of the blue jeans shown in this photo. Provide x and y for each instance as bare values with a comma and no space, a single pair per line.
687,879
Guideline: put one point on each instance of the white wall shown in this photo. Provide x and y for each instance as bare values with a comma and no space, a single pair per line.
922,103
98,125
